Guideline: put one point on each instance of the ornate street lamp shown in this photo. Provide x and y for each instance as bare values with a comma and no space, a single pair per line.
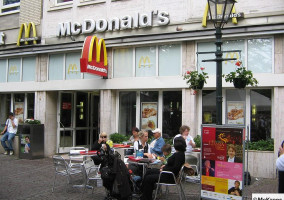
219,13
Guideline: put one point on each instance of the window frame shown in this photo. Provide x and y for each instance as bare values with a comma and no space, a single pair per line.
12,5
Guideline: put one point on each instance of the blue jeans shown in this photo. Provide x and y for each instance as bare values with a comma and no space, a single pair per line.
7,137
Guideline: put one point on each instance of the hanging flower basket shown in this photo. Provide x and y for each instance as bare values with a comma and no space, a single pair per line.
239,83
196,80
241,77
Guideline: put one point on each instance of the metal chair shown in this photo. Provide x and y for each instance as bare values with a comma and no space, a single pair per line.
193,161
62,168
177,183
92,173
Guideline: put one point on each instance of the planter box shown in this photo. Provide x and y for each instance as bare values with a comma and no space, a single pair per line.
261,164
15,146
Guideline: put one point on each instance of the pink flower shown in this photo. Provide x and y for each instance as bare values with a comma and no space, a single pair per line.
202,68
188,72
238,63
194,92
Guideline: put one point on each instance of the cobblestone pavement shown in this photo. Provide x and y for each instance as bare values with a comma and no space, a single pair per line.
32,179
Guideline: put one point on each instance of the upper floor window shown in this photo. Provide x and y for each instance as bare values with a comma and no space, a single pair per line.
9,6
62,1
256,55
66,67
162,60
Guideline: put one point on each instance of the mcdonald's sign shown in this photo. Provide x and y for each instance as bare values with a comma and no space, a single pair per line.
72,68
13,70
144,62
232,55
94,56
233,15
27,30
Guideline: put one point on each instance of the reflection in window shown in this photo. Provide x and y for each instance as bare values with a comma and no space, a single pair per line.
260,114
127,112
31,105
66,138
169,60
66,110
81,137
208,106
260,55
172,107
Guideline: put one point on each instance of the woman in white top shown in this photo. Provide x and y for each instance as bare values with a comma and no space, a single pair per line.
184,132
142,143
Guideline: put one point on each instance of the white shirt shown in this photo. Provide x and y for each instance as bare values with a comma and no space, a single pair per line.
10,128
231,159
188,139
135,146
280,163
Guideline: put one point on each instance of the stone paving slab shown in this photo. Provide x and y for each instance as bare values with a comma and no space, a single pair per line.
22,179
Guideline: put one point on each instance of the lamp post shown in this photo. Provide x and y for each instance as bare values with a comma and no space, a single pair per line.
219,13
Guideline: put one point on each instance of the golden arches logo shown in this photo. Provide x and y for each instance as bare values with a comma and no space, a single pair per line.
144,62
204,19
72,68
13,70
232,55
27,30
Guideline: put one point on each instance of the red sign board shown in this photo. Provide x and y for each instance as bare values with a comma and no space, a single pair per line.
94,56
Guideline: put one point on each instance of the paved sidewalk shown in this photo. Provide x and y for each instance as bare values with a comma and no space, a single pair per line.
33,179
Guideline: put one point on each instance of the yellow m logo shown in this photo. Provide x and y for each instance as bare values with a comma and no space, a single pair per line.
204,19
144,62
13,70
232,55
72,68
27,30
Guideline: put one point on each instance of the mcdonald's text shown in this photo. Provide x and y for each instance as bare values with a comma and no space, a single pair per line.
101,25
96,69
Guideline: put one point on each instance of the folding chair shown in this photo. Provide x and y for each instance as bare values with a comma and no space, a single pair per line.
62,168
177,183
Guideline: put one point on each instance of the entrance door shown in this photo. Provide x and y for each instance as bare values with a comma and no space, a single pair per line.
77,121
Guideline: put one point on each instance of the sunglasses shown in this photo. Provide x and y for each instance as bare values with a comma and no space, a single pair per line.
103,136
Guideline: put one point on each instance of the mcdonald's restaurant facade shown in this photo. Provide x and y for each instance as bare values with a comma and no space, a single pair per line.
149,46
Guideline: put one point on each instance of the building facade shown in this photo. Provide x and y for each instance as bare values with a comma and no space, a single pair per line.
150,45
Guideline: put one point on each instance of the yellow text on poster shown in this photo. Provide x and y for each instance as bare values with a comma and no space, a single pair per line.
221,185
208,180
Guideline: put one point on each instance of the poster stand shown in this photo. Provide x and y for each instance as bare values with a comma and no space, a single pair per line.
222,161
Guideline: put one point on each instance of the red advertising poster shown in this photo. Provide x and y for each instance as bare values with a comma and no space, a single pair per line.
222,162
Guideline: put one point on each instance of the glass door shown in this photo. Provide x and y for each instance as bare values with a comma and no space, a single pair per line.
78,120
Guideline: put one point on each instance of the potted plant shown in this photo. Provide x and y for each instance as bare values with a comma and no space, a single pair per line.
196,80
241,77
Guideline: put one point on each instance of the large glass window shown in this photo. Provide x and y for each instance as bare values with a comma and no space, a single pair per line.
208,107
169,60
3,74
81,109
55,67
172,107
127,112
123,62
29,66
31,105
14,70
5,108
72,66
66,110
145,61
260,114
260,55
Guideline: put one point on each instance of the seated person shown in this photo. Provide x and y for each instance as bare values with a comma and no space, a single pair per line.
235,190
101,146
142,143
167,152
134,136
231,154
174,164
184,132
156,144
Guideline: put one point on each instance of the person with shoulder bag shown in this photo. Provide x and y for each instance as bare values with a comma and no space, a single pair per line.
9,132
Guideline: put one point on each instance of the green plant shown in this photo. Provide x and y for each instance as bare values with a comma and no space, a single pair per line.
194,78
118,138
262,145
197,141
32,121
241,73
168,141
